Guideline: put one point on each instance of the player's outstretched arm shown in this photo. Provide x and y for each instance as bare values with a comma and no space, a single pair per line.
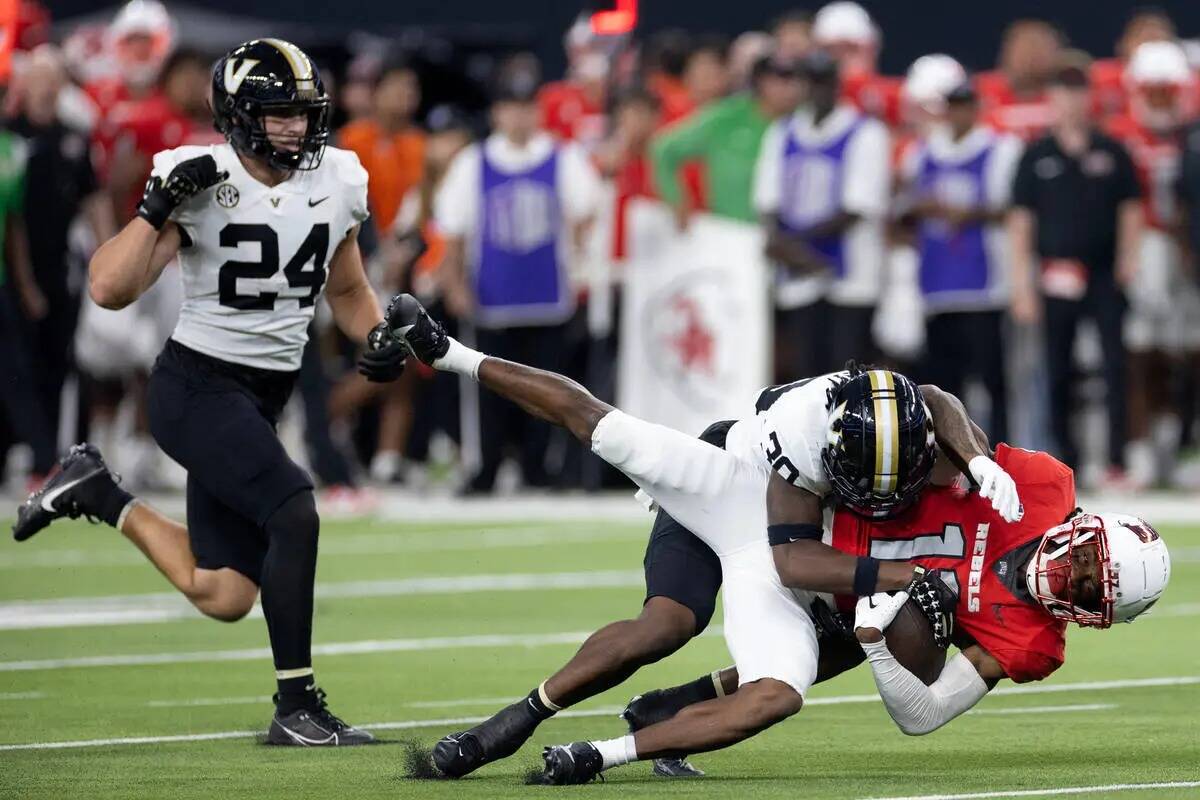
803,561
353,302
967,446
546,395
918,709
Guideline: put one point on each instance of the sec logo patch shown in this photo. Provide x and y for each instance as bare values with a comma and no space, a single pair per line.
227,195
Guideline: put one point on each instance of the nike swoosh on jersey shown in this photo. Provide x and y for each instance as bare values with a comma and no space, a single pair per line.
49,498
314,203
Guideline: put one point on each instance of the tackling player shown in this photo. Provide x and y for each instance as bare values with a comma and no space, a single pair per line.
865,437
260,224
1017,585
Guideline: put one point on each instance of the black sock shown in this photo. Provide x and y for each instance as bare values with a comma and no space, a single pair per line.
537,707
287,588
103,498
699,690
296,693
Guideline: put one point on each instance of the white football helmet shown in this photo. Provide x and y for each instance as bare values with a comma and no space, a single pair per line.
1158,76
930,79
1134,568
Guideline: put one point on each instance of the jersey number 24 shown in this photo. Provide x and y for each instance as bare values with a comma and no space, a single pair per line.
314,248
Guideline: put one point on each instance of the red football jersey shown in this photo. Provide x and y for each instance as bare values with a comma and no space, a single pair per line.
570,113
1156,157
1025,116
875,95
952,529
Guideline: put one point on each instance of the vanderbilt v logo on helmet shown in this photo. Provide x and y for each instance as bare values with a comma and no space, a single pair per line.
880,447
271,77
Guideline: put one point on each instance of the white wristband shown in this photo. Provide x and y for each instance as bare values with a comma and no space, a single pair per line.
461,359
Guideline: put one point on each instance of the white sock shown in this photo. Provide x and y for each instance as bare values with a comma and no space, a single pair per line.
461,359
617,751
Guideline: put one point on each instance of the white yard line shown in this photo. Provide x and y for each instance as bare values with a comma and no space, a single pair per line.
330,649
433,723
404,540
1045,709
21,696
467,701
1113,787
208,701
160,607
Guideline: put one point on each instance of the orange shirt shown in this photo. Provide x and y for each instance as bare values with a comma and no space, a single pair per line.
394,163
874,94
1026,116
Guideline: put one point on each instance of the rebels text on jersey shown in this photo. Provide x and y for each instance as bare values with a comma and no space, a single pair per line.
952,529
255,258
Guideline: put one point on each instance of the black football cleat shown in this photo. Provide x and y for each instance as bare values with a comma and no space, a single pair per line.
316,726
70,492
410,323
577,762
499,737
651,708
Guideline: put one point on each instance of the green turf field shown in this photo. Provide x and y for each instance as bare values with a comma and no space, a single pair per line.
399,648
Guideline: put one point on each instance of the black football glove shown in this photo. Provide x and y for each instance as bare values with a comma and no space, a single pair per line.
384,358
187,179
937,601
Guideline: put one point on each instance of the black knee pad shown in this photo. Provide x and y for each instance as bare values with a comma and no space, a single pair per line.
295,523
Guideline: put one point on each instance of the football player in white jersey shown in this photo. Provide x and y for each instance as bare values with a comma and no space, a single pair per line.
262,225
743,506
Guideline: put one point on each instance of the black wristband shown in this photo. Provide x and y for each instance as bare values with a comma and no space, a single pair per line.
155,208
866,575
792,532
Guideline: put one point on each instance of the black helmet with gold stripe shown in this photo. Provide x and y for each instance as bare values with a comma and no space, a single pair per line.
880,449
271,78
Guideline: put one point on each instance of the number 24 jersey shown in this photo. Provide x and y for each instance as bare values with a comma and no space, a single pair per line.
958,531
255,258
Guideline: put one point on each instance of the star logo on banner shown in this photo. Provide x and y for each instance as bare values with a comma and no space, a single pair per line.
693,342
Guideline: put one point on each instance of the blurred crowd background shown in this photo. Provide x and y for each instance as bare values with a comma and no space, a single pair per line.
1011,225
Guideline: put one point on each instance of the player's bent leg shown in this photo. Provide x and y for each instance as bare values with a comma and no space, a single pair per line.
225,595
608,657
711,725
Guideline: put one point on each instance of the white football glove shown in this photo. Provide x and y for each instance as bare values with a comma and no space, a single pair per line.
998,486
878,610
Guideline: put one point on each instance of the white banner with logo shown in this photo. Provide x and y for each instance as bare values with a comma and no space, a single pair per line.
695,322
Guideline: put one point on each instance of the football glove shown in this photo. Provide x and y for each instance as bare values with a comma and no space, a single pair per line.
998,486
384,358
878,610
937,601
187,179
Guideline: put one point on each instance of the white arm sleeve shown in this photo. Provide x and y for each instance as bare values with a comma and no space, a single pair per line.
919,709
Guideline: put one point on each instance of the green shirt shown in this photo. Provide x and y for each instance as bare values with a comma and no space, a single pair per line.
12,186
725,137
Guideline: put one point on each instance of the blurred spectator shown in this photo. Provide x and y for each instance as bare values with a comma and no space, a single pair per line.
1109,81
134,48
356,96
1014,95
388,143
20,303
1163,307
846,32
623,158
175,113
706,71
725,138
1076,210
574,108
746,51
422,402
792,31
60,185
513,211
823,183
960,180
666,56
